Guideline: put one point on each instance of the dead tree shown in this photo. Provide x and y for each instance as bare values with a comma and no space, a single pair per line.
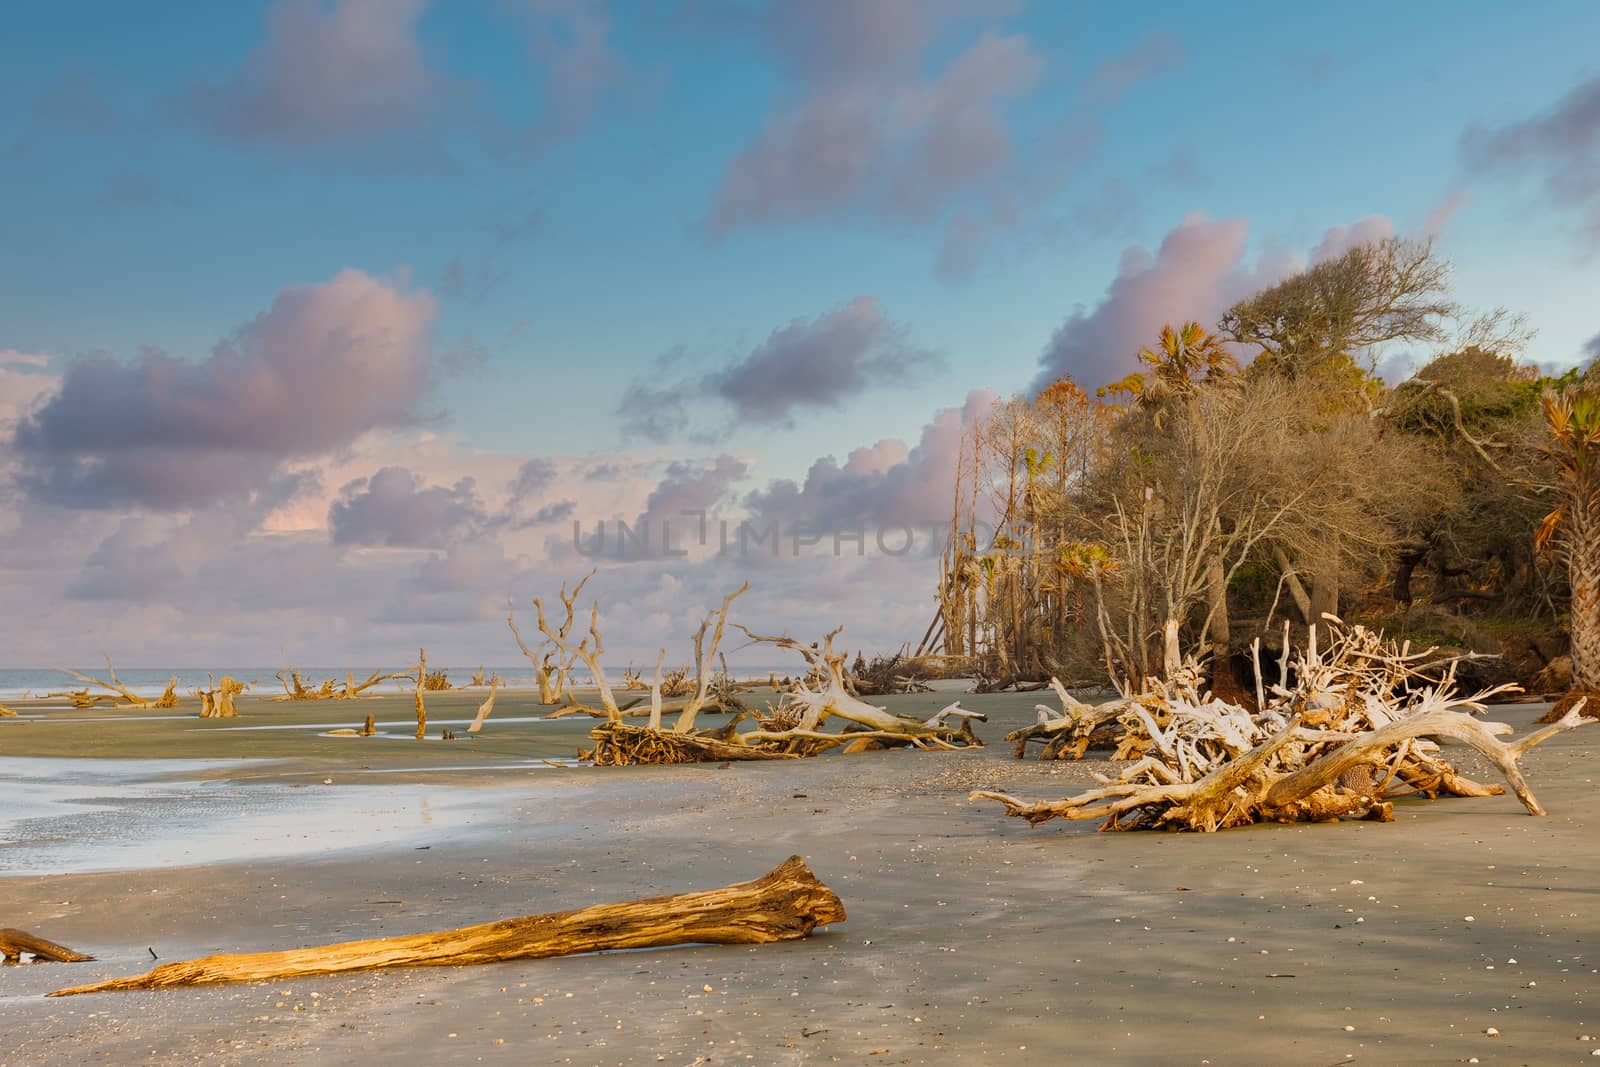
785,904
551,666
217,701
1356,730
83,698
587,651
422,683
295,688
485,708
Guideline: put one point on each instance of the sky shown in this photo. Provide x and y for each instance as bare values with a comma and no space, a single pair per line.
322,322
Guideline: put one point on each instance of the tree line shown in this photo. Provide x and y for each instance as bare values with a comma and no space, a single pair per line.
1260,471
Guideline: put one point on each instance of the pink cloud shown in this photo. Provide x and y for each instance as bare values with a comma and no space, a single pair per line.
1199,270
325,364
862,129
1560,146
325,73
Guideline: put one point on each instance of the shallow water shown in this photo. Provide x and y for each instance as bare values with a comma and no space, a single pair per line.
73,816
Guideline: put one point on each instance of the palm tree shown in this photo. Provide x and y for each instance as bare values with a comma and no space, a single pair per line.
1182,361
1573,418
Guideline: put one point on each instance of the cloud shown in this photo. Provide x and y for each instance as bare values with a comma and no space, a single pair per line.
861,128
1189,277
129,565
1441,216
76,100
393,509
325,364
1340,239
690,485
820,363
459,281
17,358
1560,145
576,65
1591,348
325,74
807,365
1011,201
1154,53
884,485
1197,273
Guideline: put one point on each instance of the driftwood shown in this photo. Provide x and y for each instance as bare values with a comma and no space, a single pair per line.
116,693
422,684
1353,733
485,708
217,702
552,663
295,687
794,728
15,943
808,705
619,744
786,903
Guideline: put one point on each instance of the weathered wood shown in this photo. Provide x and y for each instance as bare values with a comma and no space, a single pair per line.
485,708
786,903
83,698
14,943
217,701
1357,730
618,744
422,707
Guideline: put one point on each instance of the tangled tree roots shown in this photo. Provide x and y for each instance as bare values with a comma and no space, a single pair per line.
786,903
794,728
619,744
1349,737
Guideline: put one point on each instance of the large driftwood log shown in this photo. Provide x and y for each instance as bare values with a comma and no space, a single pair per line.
15,943
786,903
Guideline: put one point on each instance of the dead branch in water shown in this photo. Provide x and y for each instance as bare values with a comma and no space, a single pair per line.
295,688
83,698
1353,733
786,903
15,943
422,683
217,701
485,708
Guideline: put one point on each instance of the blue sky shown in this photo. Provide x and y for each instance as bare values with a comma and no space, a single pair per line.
597,196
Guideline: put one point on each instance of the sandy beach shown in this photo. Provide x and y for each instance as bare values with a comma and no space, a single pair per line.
971,937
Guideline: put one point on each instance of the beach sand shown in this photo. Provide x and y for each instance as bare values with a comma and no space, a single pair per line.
971,937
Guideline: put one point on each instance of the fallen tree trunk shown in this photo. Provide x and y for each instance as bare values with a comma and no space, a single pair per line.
14,943
784,904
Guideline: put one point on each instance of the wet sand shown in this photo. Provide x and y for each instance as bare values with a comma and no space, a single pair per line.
971,938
